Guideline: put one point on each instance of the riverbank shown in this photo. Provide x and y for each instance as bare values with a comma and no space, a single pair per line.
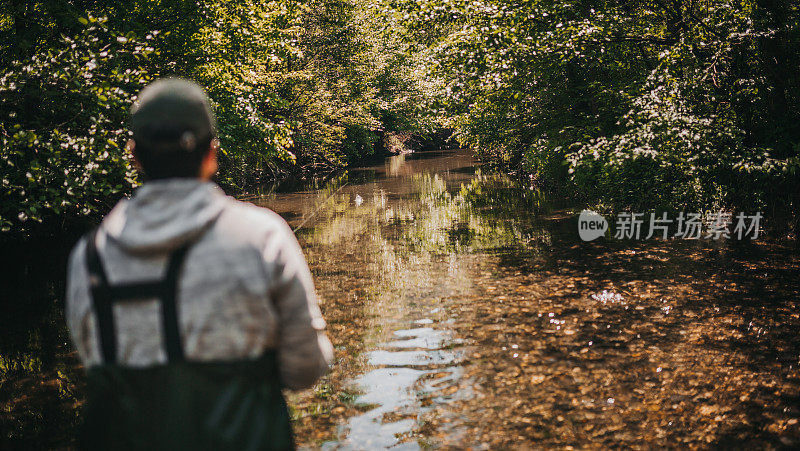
41,381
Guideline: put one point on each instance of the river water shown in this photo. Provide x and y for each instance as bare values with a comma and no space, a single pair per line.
385,246
466,313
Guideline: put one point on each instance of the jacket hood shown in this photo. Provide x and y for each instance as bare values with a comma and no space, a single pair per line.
162,215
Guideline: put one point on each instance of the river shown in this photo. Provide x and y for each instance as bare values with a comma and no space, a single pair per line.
466,312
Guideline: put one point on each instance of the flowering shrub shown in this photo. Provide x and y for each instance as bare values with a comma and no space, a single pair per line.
61,127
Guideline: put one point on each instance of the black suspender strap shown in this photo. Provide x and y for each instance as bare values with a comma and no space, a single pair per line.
102,302
169,306
104,296
136,290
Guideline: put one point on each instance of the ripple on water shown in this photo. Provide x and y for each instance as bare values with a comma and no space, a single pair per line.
411,358
423,337
396,387
389,389
608,297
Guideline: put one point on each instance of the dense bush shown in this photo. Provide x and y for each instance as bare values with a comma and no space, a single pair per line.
642,104
298,87
61,132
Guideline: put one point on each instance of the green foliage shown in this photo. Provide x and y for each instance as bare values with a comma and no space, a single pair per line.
644,104
649,104
699,135
297,87
61,133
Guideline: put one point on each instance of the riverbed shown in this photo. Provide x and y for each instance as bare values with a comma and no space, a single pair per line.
466,312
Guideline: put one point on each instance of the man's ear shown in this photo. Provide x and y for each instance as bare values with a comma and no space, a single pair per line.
130,146
209,165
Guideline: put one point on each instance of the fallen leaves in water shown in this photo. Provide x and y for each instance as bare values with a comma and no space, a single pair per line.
690,352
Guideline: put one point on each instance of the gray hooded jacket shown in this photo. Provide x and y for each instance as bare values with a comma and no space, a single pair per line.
245,286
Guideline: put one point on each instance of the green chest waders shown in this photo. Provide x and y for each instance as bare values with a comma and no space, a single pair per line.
236,405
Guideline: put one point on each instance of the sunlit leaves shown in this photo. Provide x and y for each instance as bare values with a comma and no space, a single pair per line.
61,126
657,104
296,86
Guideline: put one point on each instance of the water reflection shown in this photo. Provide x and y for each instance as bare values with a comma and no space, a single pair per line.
548,340
405,236
423,337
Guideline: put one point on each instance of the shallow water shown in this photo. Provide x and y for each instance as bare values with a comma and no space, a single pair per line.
466,313
361,236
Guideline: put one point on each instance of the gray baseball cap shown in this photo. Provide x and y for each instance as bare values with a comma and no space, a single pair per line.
172,114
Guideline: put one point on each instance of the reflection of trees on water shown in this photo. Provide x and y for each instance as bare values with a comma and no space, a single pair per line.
399,235
490,212
487,213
